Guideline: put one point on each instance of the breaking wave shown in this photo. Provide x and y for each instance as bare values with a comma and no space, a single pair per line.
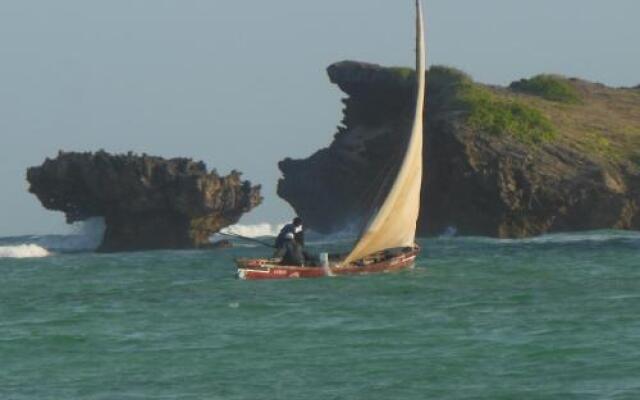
254,231
344,236
84,236
589,236
601,236
571,237
450,232
271,230
266,231
23,251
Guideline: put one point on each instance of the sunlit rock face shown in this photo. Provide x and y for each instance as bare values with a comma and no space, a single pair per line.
501,162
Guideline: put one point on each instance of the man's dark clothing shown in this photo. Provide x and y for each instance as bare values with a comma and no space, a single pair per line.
290,228
292,254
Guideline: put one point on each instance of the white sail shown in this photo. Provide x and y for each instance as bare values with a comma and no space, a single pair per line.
394,225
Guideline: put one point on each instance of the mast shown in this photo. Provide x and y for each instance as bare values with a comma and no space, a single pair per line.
394,225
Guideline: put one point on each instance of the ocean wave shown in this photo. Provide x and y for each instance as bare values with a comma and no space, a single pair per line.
266,229
254,231
84,237
23,251
266,232
553,238
592,236
344,236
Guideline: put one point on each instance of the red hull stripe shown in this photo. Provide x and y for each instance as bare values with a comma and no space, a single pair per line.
261,270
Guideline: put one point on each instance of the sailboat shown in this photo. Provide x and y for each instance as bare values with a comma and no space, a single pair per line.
387,243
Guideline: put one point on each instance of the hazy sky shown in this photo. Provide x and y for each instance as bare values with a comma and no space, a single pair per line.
242,84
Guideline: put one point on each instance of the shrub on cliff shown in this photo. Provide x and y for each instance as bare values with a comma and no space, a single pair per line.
498,116
403,72
485,110
549,87
441,75
477,176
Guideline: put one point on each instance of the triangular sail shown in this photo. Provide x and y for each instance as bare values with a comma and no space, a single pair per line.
394,225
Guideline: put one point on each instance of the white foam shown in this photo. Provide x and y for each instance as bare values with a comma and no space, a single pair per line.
23,251
592,236
561,238
89,233
450,232
254,231
85,236
344,236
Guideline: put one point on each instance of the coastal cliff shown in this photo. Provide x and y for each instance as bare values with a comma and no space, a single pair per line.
147,202
546,154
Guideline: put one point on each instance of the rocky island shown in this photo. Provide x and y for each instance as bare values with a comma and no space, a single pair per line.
546,154
147,202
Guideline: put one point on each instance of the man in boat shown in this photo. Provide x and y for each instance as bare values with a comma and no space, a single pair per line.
282,244
292,254
296,229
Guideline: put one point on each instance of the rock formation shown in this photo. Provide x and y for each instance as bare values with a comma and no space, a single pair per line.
331,188
147,202
548,154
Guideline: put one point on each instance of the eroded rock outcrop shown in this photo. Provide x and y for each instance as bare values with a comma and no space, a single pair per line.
549,154
147,202
331,188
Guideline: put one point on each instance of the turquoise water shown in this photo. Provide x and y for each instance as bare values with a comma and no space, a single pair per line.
550,318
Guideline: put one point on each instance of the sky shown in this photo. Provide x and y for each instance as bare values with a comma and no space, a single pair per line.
242,84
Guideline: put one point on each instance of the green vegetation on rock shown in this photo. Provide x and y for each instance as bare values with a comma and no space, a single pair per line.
483,145
499,116
403,72
441,74
493,114
549,87
595,143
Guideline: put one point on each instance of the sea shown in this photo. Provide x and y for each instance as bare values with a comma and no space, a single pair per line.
554,317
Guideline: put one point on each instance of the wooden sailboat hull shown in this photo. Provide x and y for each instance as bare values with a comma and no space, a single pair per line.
264,269
387,243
